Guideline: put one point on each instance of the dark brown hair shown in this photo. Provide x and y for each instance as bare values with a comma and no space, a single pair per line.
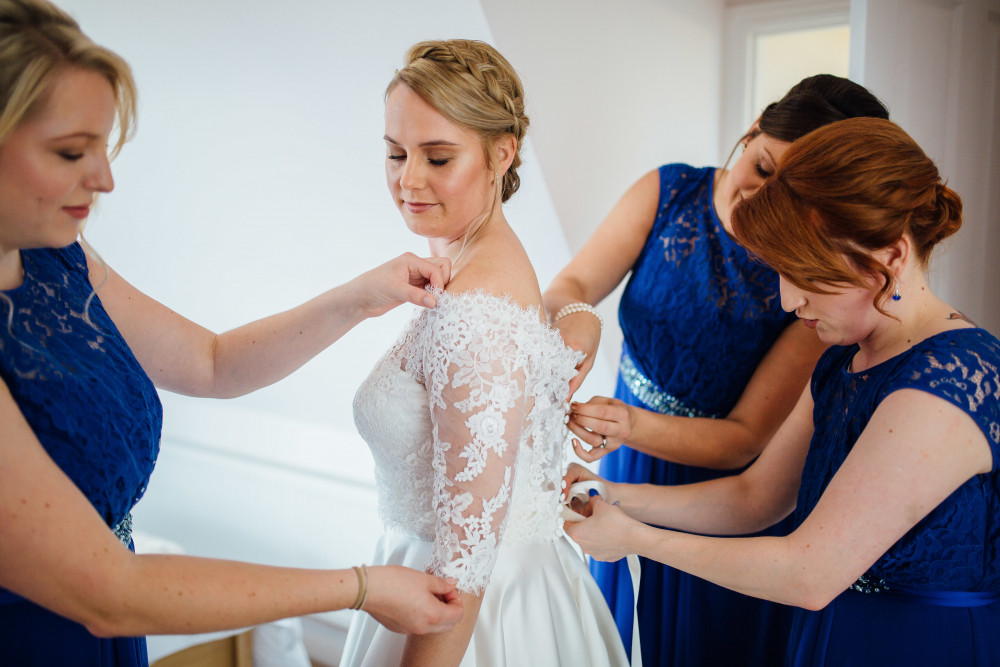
840,193
817,101
812,103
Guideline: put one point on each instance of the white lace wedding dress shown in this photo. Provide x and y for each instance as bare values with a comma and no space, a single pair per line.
465,420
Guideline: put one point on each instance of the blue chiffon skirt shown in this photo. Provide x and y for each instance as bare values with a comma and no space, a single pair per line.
685,621
888,630
32,636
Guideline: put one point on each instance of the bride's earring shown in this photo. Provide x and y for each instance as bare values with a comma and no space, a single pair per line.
895,290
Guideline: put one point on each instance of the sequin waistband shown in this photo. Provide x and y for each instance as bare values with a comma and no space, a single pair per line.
934,598
651,395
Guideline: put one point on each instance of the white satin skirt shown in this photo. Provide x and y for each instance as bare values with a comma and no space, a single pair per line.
541,607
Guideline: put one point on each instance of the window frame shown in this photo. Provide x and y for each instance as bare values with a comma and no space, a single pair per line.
743,24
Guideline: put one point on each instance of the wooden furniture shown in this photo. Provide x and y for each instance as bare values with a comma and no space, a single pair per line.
235,651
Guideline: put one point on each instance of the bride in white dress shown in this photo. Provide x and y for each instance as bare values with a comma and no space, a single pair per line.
465,414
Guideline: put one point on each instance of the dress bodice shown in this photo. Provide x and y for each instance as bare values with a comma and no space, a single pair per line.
956,546
698,313
465,419
77,383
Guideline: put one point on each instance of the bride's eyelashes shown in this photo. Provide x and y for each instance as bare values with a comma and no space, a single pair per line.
437,162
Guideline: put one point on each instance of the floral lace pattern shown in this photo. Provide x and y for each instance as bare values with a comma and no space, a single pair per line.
957,545
465,420
79,386
698,313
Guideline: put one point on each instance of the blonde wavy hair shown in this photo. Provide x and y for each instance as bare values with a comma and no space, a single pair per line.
38,43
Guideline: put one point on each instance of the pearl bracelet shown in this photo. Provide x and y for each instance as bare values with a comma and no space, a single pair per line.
578,307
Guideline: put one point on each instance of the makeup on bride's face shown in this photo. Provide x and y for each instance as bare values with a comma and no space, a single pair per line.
436,171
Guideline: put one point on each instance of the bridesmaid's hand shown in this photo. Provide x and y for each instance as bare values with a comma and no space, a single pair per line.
603,423
580,331
398,281
608,534
411,602
577,473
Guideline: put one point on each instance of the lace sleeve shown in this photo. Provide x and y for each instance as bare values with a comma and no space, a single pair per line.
475,373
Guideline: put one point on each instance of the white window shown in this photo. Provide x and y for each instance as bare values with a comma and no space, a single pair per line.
772,45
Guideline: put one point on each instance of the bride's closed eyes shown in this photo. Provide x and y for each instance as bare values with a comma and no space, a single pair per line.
437,162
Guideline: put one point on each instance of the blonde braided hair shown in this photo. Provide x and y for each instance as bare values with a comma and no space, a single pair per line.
473,86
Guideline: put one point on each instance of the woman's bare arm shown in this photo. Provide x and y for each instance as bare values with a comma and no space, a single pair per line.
727,443
186,358
603,261
916,450
56,551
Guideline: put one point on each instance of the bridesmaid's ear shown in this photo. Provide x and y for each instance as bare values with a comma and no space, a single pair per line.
896,256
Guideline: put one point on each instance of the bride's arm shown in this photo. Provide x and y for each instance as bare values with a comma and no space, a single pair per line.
476,387
444,648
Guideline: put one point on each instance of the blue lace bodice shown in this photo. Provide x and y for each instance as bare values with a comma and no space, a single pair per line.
698,313
957,546
85,396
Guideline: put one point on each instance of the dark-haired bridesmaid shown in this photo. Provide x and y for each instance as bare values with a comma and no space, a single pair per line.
710,365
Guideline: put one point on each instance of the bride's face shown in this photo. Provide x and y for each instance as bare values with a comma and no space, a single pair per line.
436,171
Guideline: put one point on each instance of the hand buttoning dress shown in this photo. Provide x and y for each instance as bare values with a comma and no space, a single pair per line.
465,420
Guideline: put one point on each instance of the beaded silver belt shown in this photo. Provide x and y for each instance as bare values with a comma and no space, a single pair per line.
868,585
652,396
123,530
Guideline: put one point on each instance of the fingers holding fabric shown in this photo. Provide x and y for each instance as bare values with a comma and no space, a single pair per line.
607,533
411,602
602,423
398,281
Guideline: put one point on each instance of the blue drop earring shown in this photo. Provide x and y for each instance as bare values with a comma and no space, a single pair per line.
895,290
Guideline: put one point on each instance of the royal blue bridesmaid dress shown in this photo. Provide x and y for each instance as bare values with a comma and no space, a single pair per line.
698,315
98,416
934,597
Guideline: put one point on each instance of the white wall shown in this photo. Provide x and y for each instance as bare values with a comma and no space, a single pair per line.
937,67
615,89
255,179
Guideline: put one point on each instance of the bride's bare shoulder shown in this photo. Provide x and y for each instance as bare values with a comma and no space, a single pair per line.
500,271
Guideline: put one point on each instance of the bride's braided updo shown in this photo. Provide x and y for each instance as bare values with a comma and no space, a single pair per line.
473,86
